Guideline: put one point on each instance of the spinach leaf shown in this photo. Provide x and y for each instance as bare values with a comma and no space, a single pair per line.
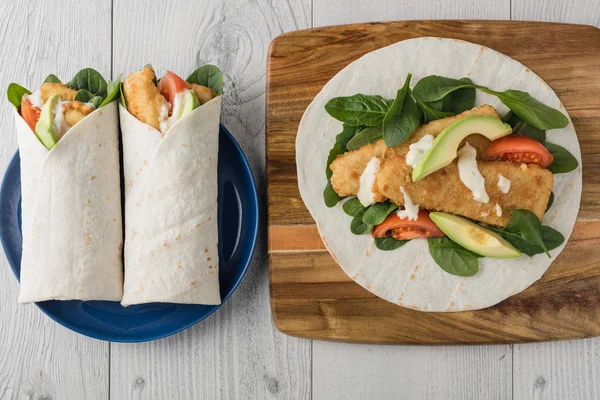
341,140
15,94
460,100
96,101
436,105
378,212
403,117
122,97
208,75
113,89
389,243
352,207
525,233
370,134
431,114
83,96
530,110
550,202
330,196
453,258
358,226
551,238
523,128
563,161
434,87
90,80
52,79
359,109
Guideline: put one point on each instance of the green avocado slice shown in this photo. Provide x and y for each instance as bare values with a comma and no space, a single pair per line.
444,148
190,103
474,237
43,129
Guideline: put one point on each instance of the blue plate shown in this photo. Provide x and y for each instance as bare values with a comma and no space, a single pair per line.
108,320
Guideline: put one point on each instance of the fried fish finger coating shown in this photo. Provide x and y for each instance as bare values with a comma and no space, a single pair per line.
76,111
203,93
50,88
143,99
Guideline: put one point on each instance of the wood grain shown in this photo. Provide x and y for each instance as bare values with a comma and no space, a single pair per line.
236,353
39,359
312,297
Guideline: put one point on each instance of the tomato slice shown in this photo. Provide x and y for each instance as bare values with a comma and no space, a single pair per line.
404,229
520,149
30,113
170,85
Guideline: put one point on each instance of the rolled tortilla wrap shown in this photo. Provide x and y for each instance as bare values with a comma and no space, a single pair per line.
171,236
71,212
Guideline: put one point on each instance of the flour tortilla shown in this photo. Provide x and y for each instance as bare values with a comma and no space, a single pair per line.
71,212
171,237
408,276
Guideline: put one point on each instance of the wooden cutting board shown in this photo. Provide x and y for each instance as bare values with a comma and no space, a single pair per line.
310,294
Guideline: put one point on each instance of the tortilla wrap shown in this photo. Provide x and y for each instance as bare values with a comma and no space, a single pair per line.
408,276
71,212
171,236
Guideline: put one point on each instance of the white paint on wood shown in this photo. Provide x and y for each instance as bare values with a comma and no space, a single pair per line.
336,12
40,359
572,11
236,353
348,371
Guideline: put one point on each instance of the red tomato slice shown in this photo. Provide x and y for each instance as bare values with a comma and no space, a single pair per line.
30,113
520,149
404,229
170,85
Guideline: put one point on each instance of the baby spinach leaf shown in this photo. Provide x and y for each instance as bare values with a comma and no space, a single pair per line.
341,140
403,117
122,97
52,79
523,128
436,105
529,226
453,258
434,87
96,101
83,96
208,75
551,238
563,161
330,196
389,243
358,226
378,212
550,202
113,89
359,109
431,114
352,207
15,94
90,80
459,100
530,110
370,134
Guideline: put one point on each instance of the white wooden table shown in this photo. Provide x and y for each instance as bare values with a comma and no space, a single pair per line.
236,353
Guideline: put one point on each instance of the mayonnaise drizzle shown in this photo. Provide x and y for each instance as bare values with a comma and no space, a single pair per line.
167,122
36,99
367,180
498,210
503,184
470,175
411,210
59,124
417,149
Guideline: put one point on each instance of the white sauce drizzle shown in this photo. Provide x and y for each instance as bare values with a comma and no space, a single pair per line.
36,99
485,214
470,175
498,210
503,184
418,149
59,124
167,122
367,180
411,210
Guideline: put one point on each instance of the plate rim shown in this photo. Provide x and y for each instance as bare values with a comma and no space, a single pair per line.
246,263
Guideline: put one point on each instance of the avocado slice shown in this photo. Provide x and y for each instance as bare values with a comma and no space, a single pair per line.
444,148
474,237
43,129
190,103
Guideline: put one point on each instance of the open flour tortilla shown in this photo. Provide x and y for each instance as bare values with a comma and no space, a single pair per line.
171,236
71,212
408,276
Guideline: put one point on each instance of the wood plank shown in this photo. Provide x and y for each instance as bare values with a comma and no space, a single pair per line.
312,297
39,358
235,353
559,370
349,371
